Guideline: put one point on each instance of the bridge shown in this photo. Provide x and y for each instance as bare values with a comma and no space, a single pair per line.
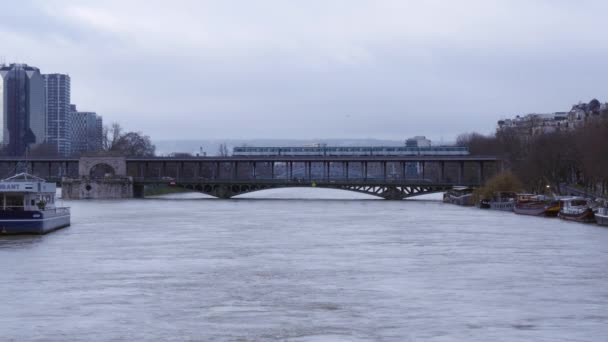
389,177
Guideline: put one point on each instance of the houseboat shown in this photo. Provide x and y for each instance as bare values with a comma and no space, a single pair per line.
504,201
601,216
528,204
459,197
27,206
576,209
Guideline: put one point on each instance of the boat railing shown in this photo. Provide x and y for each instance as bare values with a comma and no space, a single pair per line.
60,210
13,207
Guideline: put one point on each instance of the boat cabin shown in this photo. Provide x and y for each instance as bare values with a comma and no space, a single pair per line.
24,192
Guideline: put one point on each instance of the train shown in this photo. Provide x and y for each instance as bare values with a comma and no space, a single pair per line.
351,151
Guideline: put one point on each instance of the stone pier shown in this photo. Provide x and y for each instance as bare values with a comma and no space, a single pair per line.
99,178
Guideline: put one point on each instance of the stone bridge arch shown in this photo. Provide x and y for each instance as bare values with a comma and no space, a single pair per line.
87,164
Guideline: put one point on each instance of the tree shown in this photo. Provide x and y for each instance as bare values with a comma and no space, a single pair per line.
111,135
502,182
131,144
223,150
134,144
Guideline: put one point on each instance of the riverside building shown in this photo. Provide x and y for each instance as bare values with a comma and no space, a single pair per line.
22,108
57,89
86,131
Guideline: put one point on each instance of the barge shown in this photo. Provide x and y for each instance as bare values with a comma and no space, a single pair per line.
576,209
601,216
504,201
534,205
27,206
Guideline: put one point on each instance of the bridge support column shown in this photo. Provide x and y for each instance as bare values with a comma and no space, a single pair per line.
138,191
346,170
461,173
481,176
308,166
384,170
392,194
422,164
442,172
253,169
290,170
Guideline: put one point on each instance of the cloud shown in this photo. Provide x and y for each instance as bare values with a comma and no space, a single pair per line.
384,69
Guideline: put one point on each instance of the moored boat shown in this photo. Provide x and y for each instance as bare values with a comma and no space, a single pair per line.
27,206
504,201
601,216
534,205
576,209
459,197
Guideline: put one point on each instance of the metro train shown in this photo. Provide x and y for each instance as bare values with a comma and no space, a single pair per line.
351,151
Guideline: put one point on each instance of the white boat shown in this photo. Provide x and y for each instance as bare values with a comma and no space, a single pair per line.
576,209
601,216
27,206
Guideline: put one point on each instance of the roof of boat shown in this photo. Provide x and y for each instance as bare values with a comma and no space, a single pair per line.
573,198
23,177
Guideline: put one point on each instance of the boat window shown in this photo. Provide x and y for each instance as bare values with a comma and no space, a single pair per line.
14,202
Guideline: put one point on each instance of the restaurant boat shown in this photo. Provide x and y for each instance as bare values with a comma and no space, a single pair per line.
27,206
534,205
576,209
601,216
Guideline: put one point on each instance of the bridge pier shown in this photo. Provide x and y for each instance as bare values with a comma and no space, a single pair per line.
112,183
393,194
139,191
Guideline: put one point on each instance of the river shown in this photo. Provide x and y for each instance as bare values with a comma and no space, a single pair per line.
344,267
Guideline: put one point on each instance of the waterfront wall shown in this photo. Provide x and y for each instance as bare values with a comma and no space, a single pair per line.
109,188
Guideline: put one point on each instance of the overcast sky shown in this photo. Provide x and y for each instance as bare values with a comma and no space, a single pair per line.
314,69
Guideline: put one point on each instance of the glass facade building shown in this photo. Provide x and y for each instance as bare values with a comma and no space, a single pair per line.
87,131
22,108
58,134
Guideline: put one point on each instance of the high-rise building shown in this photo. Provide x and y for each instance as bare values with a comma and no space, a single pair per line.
57,89
22,108
87,131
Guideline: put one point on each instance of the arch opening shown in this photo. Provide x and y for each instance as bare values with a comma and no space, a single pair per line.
102,170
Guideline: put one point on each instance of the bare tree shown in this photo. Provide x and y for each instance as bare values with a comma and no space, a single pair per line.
111,135
223,150
132,144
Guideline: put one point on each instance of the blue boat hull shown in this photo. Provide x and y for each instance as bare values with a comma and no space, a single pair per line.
32,222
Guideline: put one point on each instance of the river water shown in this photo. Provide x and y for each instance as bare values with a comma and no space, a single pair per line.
341,268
